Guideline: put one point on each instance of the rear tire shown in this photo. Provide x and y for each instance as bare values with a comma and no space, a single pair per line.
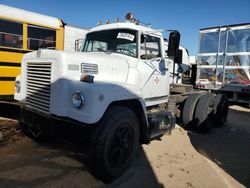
220,110
115,142
188,110
204,113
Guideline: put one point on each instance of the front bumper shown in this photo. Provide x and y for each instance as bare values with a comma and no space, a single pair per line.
53,125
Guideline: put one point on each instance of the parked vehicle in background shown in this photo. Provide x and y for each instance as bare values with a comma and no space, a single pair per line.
24,31
180,62
224,61
71,35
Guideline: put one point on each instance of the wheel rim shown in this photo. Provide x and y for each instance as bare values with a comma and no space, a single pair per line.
121,146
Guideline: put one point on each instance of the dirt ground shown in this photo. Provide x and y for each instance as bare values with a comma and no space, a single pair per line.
183,159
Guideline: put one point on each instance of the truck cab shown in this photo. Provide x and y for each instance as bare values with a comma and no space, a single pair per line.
141,51
121,57
117,86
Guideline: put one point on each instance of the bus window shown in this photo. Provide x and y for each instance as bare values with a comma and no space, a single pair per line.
41,38
11,34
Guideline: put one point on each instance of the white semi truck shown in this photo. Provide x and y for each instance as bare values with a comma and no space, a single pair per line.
117,88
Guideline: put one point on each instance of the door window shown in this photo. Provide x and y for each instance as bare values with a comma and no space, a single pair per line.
150,47
41,38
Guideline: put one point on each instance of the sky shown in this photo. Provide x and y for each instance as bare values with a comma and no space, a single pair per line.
186,16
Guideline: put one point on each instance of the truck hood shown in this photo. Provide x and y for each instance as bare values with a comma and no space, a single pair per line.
103,66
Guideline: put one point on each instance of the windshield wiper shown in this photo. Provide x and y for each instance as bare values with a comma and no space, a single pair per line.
106,51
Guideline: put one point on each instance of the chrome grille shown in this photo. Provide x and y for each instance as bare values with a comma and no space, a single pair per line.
38,86
89,68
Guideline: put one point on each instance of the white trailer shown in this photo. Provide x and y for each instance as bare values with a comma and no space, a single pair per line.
71,35
224,61
117,87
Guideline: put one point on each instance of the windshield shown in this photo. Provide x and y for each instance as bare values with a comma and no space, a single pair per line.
122,41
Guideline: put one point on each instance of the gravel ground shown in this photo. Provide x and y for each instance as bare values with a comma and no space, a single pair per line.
9,131
183,159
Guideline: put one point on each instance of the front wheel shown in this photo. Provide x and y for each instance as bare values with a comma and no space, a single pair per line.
114,143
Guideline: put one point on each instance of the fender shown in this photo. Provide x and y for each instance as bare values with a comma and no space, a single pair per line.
98,96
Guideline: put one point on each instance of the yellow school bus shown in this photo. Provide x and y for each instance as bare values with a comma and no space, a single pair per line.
21,32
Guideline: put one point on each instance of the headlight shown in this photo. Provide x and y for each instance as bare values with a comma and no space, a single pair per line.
17,86
78,99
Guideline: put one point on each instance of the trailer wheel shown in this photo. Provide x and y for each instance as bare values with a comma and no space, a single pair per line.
220,110
204,113
188,110
114,144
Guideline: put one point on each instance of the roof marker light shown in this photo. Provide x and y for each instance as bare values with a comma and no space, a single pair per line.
129,17
108,21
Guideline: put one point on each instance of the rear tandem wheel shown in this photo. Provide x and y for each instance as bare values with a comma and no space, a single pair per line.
220,110
204,113
188,110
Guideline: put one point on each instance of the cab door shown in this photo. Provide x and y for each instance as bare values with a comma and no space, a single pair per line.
153,70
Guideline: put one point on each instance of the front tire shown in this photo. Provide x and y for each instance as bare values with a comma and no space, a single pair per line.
115,142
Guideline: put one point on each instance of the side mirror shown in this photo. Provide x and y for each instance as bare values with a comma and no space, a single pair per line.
178,58
173,44
78,44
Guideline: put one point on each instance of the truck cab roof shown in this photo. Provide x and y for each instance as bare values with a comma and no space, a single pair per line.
124,25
